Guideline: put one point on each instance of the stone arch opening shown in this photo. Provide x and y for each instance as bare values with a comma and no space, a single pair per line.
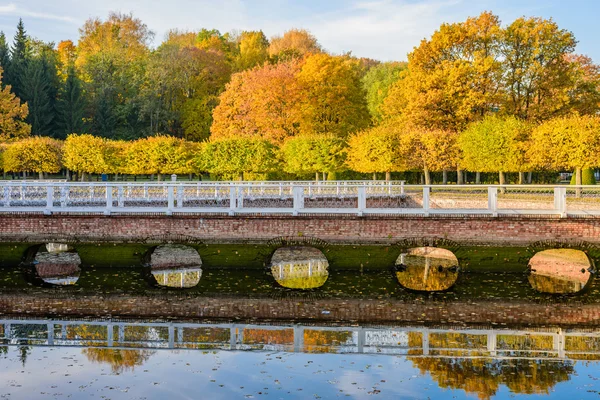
559,271
56,264
175,266
427,269
299,267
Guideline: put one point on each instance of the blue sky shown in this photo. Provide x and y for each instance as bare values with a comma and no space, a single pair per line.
381,29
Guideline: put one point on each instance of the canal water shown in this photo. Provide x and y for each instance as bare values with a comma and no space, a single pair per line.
302,321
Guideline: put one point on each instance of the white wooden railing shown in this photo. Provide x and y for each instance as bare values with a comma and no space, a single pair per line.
297,198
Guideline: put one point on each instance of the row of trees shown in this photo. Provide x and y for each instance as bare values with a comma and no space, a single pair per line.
475,96
494,144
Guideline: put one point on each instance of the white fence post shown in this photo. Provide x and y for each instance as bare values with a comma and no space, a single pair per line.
493,201
180,191
120,197
109,200
232,200
7,196
362,200
560,201
49,199
298,192
170,199
426,190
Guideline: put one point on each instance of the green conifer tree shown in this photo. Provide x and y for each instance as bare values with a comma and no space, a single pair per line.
19,58
70,106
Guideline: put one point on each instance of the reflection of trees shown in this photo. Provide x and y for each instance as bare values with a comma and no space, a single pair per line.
483,377
317,341
426,274
268,336
119,360
550,284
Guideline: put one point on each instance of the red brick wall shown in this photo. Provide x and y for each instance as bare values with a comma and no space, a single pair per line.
341,229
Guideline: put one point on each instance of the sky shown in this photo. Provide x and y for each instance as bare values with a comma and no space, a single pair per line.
380,29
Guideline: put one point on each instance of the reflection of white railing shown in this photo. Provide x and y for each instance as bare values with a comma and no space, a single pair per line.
414,341
296,198
300,268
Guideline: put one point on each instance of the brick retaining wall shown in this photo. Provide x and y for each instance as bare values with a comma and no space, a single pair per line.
336,229
500,313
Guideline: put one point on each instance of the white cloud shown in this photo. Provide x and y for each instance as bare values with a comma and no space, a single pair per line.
13,9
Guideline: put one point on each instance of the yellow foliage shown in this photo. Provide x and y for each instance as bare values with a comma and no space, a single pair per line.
34,154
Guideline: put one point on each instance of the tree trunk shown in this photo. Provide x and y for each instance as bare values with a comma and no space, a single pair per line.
521,178
160,177
68,174
427,176
578,181
478,178
324,176
459,177
445,177
316,176
502,180
83,176
529,177
374,176
190,177
388,176
241,176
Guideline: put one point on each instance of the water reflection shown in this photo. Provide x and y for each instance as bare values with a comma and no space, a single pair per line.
560,271
475,360
120,360
57,264
176,266
299,267
427,269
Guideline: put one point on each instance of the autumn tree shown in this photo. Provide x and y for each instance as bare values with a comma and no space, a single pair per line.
111,56
237,156
260,103
584,92
377,82
158,155
87,154
428,149
34,154
496,144
181,90
535,68
253,50
375,150
314,154
453,78
333,99
12,115
566,143
294,43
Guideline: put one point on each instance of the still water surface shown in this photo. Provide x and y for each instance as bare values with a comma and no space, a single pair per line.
142,374
319,353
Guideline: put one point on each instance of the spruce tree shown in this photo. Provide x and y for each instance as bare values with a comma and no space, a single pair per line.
105,120
36,90
4,55
19,58
70,106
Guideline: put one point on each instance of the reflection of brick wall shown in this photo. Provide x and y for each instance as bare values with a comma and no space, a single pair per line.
52,270
343,229
350,310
